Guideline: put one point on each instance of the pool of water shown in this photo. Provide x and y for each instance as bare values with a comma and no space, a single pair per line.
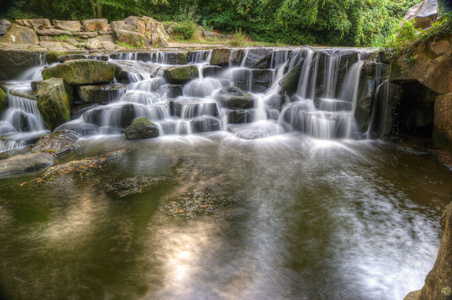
286,217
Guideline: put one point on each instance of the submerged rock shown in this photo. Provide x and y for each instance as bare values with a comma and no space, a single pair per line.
55,102
142,128
25,163
58,142
234,98
84,71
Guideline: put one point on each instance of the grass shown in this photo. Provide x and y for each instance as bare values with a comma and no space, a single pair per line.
61,38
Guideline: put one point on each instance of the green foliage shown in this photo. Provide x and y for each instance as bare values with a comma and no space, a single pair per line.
187,26
239,38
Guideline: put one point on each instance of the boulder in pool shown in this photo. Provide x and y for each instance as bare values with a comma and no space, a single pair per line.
142,128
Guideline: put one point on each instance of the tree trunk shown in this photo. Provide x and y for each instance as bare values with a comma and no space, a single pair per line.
99,10
93,6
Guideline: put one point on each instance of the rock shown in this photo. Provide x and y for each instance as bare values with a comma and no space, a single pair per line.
438,283
24,93
240,116
424,14
63,58
35,85
134,39
68,25
180,74
234,98
16,62
52,56
430,65
142,128
209,34
57,46
85,35
108,45
46,39
55,102
193,108
442,124
388,96
261,80
84,71
93,44
153,31
25,163
211,71
259,58
33,23
20,35
289,82
205,124
53,32
171,90
95,24
220,56
3,100
237,57
4,26
413,295
100,93
57,142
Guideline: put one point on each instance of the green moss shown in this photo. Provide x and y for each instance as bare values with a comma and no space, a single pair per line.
220,56
181,74
3,100
182,57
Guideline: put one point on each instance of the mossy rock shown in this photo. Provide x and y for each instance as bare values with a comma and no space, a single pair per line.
180,74
182,58
220,57
3,100
52,56
83,71
55,102
141,128
289,82
234,98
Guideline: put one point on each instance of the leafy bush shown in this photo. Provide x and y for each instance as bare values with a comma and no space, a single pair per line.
239,38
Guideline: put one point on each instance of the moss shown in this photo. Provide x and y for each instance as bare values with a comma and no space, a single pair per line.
79,72
52,56
3,100
182,58
181,74
220,56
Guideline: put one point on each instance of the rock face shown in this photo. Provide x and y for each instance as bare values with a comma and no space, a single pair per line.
20,35
430,65
84,71
442,128
100,93
58,142
220,57
27,162
141,128
95,24
17,62
258,58
289,82
438,283
140,31
68,25
55,102
4,26
424,14
180,74
234,98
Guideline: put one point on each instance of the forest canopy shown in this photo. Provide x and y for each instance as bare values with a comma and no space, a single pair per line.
321,22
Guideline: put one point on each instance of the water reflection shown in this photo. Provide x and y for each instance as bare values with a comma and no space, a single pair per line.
298,218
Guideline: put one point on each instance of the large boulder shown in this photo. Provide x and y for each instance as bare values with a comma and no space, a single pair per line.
424,14
27,162
95,24
141,128
430,65
180,74
83,71
17,62
259,58
55,102
20,35
438,283
234,98
68,25
220,56
132,38
442,124
152,31
4,26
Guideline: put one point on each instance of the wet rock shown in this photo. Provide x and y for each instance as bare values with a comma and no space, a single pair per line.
205,124
53,32
142,128
180,74
234,98
20,35
171,90
52,56
3,100
259,58
104,93
135,185
289,82
67,25
79,72
275,101
211,71
58,142
4,26
237,57
188,108
55,102
24,93
64,58
79,110
33,23
220,57
26,163
95,24
438,283
128,115
261,80
442,129
240,116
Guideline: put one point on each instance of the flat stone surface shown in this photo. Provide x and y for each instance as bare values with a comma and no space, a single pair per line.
68,25
27,162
